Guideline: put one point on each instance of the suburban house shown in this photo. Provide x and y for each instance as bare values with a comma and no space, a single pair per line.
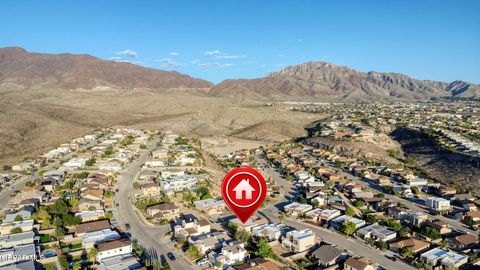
377,233
93,226
113,165
439,225
24,214
270,231
150,190
358,264
23,226
210,241
438,256
210,206
322,215
231,254
148,175
92,194
438,204
178,183
258,264
299,241
128,261
87,216
96,237
328,255
336,222
13,240
296,209
89,205
251,223
414,244
463,242
153,163
161,211
113,248
161,153
189,225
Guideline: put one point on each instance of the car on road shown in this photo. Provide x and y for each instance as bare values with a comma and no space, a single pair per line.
393,258
171,256
163,260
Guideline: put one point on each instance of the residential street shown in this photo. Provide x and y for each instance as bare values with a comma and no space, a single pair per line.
335,238
153,239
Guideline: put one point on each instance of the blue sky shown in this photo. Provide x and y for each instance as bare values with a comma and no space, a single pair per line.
216,40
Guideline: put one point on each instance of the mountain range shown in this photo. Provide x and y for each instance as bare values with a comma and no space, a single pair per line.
317,81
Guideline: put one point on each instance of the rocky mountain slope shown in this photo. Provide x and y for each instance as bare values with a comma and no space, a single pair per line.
326,81
26,70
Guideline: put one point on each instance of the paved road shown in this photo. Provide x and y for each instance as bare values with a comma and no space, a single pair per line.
341,241
153,239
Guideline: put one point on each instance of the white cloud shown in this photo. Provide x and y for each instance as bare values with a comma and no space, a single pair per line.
115,58
168,63
174,54
230,56
211,53
128,53
263,65
212,64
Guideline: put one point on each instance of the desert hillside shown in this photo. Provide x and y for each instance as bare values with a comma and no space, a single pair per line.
326,81
20,69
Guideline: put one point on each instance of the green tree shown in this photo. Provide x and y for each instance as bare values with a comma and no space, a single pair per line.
430,232
136,185
359,203
264,249
381,245
194,252
349,211
73,203
92,255
404,232
63,260
7,167
18,218
77,265
59,232
302,200
393,224
315,203
242,235
406,252
348,228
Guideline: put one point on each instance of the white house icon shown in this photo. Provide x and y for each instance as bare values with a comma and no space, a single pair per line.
244,185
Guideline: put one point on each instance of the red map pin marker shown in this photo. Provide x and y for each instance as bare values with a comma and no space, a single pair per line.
243,190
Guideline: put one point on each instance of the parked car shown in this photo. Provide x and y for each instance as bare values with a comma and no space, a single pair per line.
171,256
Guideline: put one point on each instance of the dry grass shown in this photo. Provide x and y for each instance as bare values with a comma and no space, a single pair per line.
35,120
